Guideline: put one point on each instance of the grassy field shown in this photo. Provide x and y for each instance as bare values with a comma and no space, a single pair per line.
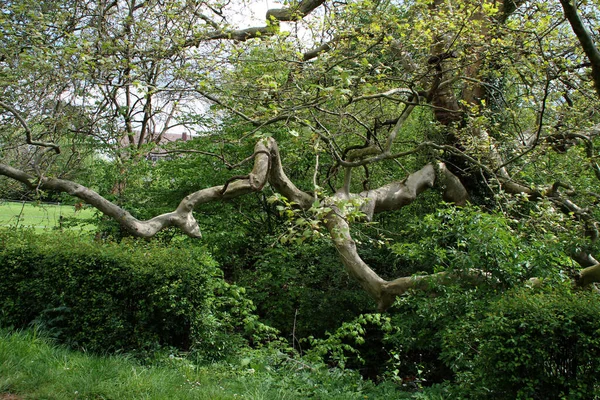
31,368
41,216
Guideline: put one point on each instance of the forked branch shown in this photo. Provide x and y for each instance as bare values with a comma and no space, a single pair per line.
28,133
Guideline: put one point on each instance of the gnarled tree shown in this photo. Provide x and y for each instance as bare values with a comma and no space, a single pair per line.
473,96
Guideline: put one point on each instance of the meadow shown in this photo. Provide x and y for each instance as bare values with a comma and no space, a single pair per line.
42,216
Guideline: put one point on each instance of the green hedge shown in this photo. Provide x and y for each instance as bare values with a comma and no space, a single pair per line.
530,345
130,296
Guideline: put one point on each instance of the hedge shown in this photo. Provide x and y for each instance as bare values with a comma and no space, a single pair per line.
132,295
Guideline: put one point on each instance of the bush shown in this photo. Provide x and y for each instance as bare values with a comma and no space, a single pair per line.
129,296
531,346
303,289
494,337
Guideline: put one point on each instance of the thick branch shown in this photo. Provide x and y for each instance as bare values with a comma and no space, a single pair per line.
317,51
585,39
268,167
182,217
282,184
588,275
273,16
303,8
238,34
390,197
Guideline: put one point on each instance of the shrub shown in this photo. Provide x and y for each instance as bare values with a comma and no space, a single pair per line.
303,289
133,295
490,338
531,346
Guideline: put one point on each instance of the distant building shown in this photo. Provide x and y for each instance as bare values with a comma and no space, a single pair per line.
158,152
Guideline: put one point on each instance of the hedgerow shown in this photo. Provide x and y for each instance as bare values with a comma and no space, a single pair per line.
132,296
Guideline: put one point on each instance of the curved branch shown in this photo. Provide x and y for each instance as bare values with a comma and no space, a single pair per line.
282,184
273,17
317,51
29,138
389,197
588,275
303,8
268,168
182,217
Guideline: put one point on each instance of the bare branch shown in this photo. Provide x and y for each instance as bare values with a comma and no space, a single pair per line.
273,16
182,217
390,197
282,184
386,95
588,275
29,138
317,51
303,8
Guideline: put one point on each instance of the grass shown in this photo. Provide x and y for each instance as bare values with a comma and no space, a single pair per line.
43,216
32,368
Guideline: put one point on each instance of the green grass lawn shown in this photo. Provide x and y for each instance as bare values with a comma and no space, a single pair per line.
42,216
33,369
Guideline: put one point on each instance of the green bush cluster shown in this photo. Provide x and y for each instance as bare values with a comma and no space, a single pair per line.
522,344
484,331
303,290
132,296
530,346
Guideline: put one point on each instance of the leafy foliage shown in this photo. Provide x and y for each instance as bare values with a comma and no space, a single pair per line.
488,332
302,290
497,90
33,368
540,345
468,238
129,296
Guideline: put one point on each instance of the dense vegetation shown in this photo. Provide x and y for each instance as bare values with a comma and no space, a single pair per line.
109,296
406,190
33,367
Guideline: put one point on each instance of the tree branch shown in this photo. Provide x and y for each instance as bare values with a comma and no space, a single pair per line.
273,17
29,138
389,197
588,275
182,217
585,39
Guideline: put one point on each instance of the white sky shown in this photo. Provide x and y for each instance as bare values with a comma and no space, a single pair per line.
254,12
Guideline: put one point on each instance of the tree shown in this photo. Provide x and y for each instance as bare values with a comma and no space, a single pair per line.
490,102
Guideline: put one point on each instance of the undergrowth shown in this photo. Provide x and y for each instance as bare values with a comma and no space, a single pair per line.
34,368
